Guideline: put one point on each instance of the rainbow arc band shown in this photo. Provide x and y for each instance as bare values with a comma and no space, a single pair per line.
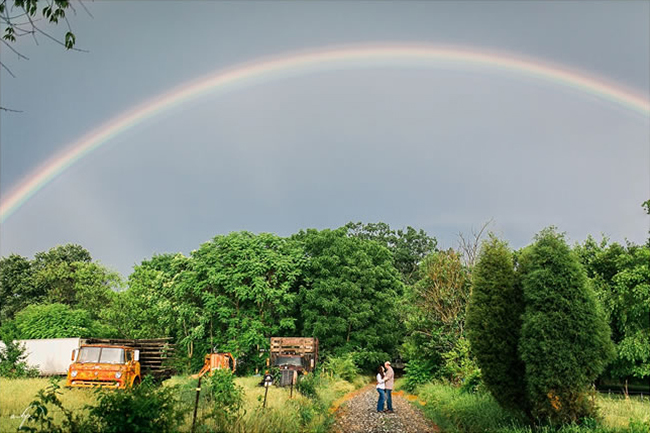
301,63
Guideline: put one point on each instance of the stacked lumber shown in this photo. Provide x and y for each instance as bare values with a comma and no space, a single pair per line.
155,353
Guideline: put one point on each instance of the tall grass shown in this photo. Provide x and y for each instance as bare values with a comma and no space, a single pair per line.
17,394
455,411
283,413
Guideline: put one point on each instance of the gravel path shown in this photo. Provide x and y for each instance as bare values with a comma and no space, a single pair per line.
358,414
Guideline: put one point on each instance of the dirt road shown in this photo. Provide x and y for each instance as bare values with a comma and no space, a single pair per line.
358,414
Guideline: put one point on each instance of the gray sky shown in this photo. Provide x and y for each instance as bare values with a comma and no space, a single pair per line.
439,149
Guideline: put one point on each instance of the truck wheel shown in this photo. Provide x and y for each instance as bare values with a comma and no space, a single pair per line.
136,381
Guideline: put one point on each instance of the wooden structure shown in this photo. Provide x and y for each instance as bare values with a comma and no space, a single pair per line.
294,353
154,353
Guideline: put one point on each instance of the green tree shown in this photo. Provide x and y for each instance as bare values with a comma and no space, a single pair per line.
349,295
621,277
239,290
565,340
146,308
17,288
435,310
409,246
494,322
66,274
55,321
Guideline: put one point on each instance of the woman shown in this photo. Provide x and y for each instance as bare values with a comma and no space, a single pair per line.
380,388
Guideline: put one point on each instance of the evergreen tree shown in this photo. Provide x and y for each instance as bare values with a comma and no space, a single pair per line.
494,323
565,340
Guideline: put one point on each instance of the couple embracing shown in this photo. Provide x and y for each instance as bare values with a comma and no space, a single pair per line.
385,381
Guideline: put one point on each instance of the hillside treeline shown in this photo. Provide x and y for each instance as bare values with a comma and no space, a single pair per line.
367,291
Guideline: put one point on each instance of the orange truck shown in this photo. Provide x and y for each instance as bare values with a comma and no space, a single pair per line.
104,365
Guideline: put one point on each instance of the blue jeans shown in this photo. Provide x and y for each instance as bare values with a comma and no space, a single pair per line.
380,403
389,398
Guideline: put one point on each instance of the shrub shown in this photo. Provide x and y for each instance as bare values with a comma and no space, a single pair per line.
418,372
143,408
308,384
223,395
12,361
459,364
341,366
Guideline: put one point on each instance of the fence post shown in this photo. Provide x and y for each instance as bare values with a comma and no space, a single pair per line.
196,403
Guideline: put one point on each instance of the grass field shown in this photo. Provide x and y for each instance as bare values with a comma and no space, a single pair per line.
17,394
454,411
283,414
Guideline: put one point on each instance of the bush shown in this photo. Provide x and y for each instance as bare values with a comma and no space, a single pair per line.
418,372
308,384
143,408
223,395
12,361
343,367
459,364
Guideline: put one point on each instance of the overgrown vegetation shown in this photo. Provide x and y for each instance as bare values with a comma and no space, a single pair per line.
456,411
533,320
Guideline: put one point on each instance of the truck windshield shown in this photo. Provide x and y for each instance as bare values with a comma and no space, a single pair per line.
112,355
89,354
104,355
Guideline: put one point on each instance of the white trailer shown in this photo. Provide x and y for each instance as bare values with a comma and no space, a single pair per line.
51,356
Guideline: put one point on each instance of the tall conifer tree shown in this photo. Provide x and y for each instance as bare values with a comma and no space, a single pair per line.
494,322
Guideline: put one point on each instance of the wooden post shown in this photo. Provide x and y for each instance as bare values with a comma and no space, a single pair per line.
196,403
266,391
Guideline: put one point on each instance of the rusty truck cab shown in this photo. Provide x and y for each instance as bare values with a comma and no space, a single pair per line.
104,365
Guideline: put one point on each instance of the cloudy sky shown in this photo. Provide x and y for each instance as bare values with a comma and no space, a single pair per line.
443,148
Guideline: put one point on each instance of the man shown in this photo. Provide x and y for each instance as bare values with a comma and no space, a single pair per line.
389,380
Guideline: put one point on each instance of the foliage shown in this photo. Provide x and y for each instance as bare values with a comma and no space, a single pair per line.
348,298
224,396
418,372
621,277
237,291
309,383
144,408
62,275
16,286
55,321
342,367
459,364
40,418
454,410
18,24
145,309
494,323
565,340
408,246
435,309
12,361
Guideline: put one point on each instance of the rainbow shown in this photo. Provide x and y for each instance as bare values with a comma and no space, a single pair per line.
288,65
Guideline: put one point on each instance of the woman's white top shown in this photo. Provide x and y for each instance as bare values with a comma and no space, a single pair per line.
380,382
